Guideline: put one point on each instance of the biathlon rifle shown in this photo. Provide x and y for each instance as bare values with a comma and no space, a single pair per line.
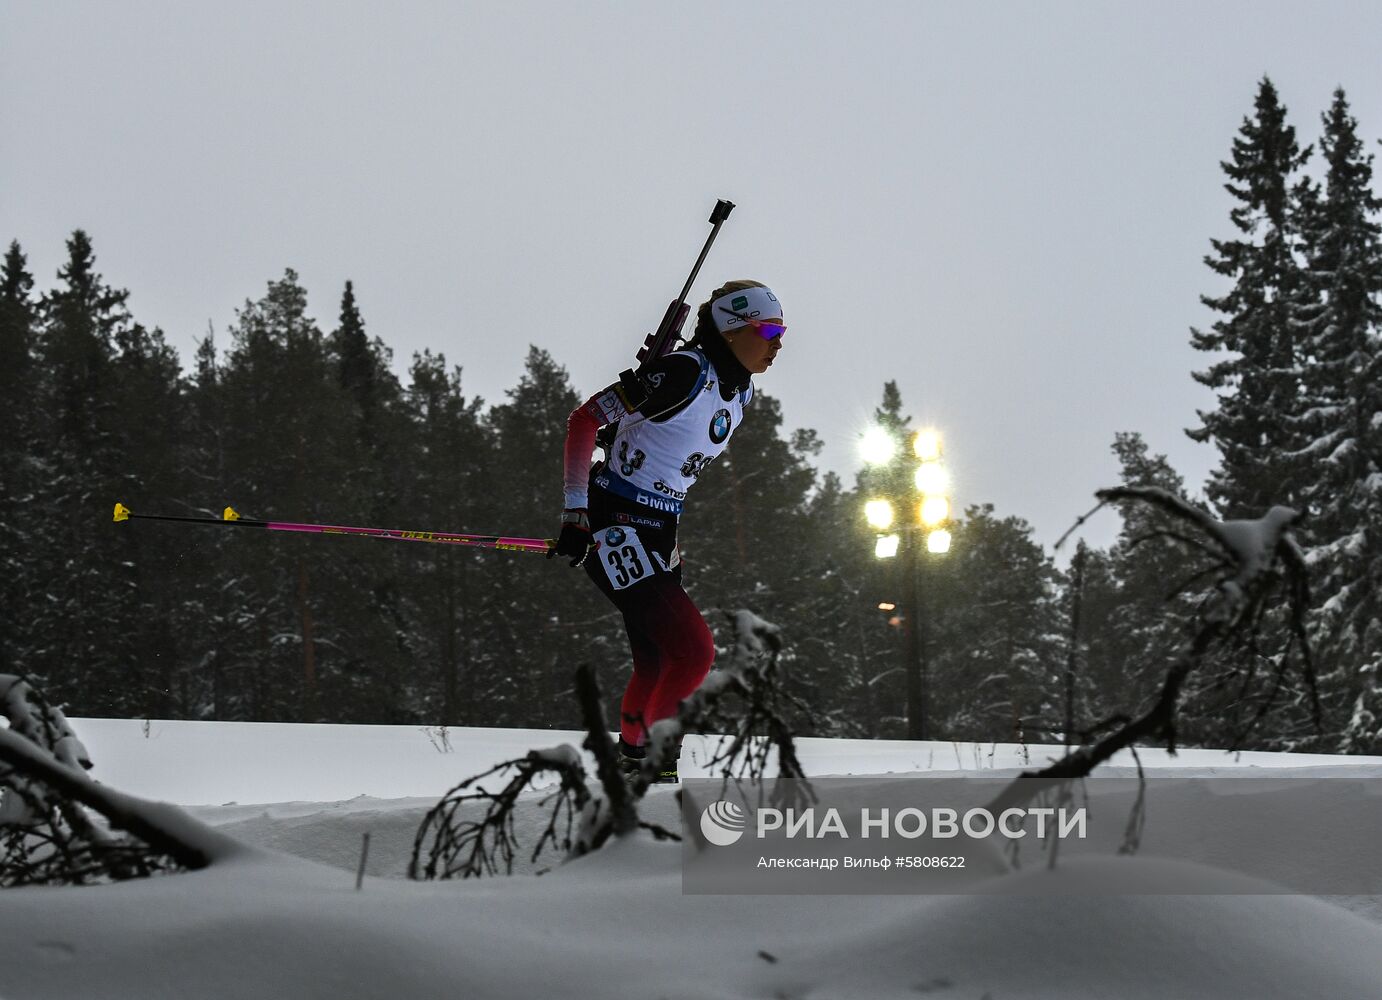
632,381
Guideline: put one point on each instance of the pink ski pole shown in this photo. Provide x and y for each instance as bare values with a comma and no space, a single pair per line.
231,519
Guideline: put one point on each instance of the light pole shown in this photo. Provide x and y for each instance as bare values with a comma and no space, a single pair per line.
928,495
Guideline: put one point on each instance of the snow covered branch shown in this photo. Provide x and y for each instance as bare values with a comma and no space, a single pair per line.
46,834
1254,562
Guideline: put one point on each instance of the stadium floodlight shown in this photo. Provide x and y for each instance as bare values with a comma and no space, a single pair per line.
879,514
938,541
878,446
932,479
886,546
934,511
927,445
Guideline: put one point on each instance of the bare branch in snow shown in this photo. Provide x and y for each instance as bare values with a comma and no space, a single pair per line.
464,847
581,820
745,699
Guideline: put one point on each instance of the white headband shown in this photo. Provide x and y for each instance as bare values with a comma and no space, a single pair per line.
753,302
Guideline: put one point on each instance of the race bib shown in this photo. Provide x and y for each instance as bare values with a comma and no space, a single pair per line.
622,555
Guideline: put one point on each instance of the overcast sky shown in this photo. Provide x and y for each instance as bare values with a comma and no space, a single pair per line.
1004,207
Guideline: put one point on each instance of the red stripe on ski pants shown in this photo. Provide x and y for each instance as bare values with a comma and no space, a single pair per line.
672,652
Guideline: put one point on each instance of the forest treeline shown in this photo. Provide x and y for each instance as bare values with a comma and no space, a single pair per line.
288,420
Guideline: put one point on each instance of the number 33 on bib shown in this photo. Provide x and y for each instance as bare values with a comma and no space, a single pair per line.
624,558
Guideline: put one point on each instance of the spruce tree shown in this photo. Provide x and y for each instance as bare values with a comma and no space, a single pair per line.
17,315
357,367
1342,425
224,628
839,641
992,601
365,374
376,443
1259,381
1133,616
18,392
156,572
79,644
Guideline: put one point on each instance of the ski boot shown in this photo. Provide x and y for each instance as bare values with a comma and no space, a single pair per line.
631,760
669,774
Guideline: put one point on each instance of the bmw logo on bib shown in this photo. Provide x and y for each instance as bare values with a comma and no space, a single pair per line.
614,536
719,426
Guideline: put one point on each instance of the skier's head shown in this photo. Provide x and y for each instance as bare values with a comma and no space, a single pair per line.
747,316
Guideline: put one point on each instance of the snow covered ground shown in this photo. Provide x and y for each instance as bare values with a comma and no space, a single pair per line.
210,763
282,918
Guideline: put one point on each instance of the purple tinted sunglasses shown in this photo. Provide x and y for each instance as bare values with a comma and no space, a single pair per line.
768,331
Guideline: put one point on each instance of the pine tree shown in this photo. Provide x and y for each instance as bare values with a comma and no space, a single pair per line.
452,611
1342,422
1259,382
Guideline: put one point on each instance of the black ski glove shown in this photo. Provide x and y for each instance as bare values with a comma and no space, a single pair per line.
575,540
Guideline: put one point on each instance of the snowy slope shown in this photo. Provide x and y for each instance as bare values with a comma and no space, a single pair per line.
616,924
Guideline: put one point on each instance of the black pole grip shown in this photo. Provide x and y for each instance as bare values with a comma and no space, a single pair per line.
721,212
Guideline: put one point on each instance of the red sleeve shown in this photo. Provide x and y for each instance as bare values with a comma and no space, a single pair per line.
600,409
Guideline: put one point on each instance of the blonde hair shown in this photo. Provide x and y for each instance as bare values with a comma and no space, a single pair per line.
705,323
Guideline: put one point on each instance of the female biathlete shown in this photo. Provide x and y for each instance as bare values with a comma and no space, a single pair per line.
620,517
